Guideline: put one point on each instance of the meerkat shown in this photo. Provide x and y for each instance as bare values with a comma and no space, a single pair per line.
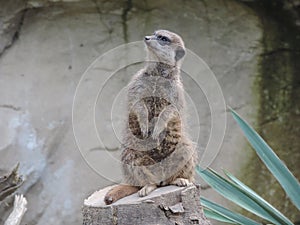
156,150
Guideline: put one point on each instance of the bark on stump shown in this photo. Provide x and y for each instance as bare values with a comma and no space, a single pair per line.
168,205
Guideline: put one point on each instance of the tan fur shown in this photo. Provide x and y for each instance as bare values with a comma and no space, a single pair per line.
156,150
119,192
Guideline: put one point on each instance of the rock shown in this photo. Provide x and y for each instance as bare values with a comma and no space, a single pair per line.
52,43
11,18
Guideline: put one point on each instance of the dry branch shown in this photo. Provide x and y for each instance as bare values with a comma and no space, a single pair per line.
19,210
10,183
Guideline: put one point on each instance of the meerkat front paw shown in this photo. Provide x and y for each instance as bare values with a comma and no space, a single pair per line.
144,127
181,182
147,189
163,119
159,127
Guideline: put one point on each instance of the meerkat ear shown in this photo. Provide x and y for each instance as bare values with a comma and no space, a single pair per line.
179,53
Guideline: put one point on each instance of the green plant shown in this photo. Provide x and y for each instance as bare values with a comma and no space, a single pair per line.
236,191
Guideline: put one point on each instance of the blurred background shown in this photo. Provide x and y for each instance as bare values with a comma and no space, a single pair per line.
252,47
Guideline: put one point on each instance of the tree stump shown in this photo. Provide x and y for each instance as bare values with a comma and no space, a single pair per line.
168,205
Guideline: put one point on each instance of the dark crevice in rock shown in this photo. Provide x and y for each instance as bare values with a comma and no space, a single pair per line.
126,10
10,107
280,51
16,34
208,22
165,210
100,13
270,120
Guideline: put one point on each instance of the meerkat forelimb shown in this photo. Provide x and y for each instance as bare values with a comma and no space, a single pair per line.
164,117
141,111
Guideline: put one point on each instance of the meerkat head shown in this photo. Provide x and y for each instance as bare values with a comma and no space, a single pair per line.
165,46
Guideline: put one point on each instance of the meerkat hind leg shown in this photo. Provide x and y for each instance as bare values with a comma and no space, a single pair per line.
181,182
147,189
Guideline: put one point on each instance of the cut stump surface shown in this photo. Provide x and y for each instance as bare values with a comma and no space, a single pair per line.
164,206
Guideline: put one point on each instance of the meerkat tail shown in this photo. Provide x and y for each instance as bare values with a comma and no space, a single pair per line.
119,192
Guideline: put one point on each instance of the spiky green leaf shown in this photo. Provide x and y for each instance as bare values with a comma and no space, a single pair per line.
216,216
228,216
267,206
279,170
234,193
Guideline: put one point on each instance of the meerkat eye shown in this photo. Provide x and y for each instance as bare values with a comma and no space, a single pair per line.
165,39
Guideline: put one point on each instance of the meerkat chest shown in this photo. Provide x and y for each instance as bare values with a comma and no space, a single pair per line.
158,93
155,105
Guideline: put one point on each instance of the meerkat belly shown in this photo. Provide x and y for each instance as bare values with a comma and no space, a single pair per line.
155,106
171,136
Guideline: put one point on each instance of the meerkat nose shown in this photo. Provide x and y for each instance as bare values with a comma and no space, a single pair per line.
147,38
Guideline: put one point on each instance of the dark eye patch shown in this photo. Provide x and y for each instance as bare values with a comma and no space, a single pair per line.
163,40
